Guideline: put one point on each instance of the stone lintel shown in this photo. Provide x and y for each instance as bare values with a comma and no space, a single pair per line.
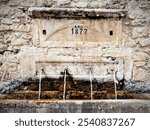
45,12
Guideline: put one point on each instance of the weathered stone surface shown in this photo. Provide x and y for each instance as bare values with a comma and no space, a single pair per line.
23,3
128,68
97,4
20,42
136,13
137,86
89,33
149,33
139,22
132,4
44,12
27,36
24,28
127,41
140,74
4,10
2,47
116,4
118,52
140,63
23,42
16,20
6,21
145,4
4,28
82,4
139,32
110,106
50,3
17,13
9,86
148,64
145,42
139,56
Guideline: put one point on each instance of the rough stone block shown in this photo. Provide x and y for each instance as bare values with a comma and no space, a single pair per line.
23,2
60,3
136,13
145,4
137,86
20,42
94,52
27,65
4,11
3,47
140,56
16,20
139,22
127,41
139,32
9,86
140,74
116,52
79,4
16,13
128,68
132,4
23,28
144,42
6,21
27,36
148,64
49,3
99,4
12,67
4,28
140,63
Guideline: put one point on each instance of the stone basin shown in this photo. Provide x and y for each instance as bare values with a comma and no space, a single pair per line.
75,106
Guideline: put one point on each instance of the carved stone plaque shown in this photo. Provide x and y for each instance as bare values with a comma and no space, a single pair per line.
77,33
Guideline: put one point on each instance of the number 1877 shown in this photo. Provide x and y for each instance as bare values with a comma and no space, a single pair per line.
78,30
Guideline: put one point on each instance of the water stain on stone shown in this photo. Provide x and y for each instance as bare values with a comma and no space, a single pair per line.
52,89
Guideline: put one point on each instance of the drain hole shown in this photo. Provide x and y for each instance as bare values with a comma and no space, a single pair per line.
44,32
1,64
111,33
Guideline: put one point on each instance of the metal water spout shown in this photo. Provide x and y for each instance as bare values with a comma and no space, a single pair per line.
40,81
115,83
91,85
64,92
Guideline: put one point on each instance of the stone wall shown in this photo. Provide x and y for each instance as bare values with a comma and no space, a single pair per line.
19,52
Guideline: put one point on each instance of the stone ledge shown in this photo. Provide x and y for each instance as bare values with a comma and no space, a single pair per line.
95,106
45,12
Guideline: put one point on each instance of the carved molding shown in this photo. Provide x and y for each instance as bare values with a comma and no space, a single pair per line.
45,12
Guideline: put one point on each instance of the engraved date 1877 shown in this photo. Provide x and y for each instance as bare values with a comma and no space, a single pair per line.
78,29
